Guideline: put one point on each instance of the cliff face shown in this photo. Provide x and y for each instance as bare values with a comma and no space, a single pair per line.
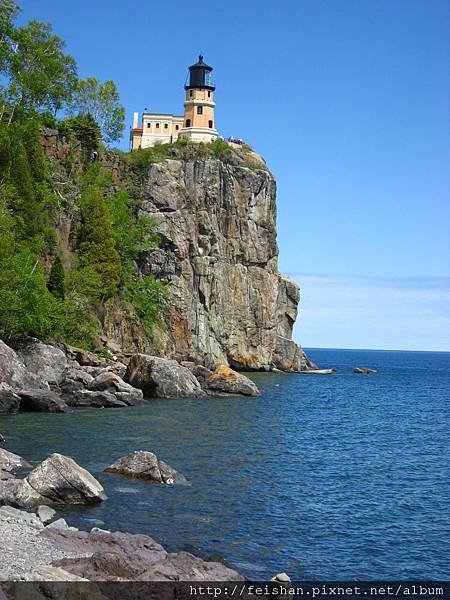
229,304
218,254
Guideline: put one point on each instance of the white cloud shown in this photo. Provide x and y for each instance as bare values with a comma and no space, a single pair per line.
370,312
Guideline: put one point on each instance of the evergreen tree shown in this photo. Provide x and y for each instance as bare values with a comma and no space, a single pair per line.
97,247
56,279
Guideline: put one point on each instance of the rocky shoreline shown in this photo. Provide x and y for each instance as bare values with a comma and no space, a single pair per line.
40,377
39,546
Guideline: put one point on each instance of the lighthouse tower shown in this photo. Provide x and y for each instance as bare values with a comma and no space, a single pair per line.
199,124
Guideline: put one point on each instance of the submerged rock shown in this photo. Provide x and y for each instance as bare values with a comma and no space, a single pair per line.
225,380
364,370
145,465
161,377
59,479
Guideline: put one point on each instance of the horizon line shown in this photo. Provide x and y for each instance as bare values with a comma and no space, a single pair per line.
371,349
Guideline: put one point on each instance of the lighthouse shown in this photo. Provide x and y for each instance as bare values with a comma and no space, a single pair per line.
199,124
196,125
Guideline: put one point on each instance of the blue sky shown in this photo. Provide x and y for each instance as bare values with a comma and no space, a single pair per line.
349,102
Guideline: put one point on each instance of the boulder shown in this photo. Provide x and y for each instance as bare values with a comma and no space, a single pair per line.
9,401
9,513
8,488
43,360
88,398
78,375
82,542
183,566
130,398
45,513
14,373
202,374
145,465
161,377
111,382
41,401
226,381
60,479
83,357
364,370
10,461
126,556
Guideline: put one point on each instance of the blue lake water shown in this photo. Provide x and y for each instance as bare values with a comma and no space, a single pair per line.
333,477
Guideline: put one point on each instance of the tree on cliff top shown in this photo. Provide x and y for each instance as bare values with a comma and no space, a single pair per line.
102,101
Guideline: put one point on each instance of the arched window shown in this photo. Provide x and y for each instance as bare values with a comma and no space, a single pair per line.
157,125
188,122
199,110
210,124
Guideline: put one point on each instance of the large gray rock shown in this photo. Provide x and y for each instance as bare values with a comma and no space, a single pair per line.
9,401
226,381
59,479
110,382
78,375
145,465
10,461
161,377
88,398
14,373
45,361
41,401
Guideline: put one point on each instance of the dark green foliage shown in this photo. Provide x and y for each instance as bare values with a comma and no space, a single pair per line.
55,283
97,247
87,132
36,80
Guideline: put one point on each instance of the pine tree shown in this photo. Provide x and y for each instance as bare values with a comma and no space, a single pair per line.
97,247
56,279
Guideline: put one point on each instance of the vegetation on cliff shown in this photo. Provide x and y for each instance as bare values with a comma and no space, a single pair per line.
49,288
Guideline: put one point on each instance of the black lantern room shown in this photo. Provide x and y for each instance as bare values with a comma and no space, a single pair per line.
200,76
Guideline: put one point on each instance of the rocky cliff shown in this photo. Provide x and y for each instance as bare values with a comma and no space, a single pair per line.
218,253
229,304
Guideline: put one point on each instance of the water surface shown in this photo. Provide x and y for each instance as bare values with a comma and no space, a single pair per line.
333,477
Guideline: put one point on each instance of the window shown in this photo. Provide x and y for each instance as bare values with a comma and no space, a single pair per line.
199,110
149,124
191,93
166,126
209,94
177,127
210,124
157,125
188,122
